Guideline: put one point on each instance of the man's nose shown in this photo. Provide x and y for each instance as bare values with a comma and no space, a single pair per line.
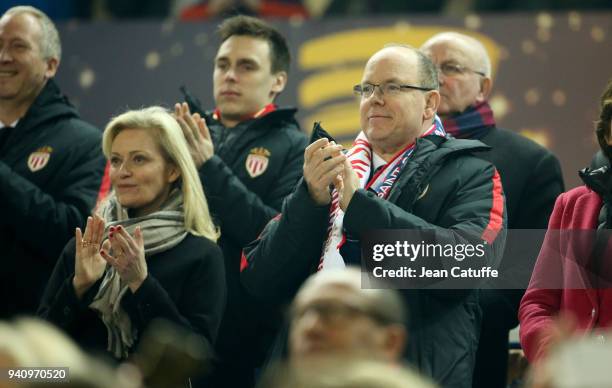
441,77
377,95
5,55
230,74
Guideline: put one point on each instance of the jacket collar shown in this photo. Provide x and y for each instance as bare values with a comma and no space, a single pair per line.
429,154
232,142
262,112
281,118
49,104
279,114
598,180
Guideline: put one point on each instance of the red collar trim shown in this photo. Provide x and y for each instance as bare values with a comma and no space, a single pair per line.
262,112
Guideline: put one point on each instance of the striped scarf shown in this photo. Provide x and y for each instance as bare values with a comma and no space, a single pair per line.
360,157
473,123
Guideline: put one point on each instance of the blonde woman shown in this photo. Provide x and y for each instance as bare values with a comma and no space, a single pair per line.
149,253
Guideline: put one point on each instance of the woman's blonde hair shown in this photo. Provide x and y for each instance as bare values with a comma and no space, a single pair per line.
168,134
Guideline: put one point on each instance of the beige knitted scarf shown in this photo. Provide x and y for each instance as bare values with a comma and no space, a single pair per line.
161,230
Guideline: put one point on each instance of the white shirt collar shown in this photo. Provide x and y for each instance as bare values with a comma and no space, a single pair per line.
377,161
12,125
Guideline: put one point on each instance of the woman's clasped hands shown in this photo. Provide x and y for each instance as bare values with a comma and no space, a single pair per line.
120,250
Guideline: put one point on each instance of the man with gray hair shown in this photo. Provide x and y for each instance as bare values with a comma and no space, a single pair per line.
402,172
530,174
51,162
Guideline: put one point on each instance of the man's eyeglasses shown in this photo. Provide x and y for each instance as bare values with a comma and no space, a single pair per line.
336,312
453,69
389,89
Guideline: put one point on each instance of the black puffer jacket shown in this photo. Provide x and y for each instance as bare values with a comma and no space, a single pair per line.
50,171
463,194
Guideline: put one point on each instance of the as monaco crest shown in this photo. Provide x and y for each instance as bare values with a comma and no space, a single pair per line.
257,161
39,159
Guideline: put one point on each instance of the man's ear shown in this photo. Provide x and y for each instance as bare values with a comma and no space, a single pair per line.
52,65
432,101
486,84
395,341
280,80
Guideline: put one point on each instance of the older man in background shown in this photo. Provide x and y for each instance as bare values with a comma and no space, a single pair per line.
530,175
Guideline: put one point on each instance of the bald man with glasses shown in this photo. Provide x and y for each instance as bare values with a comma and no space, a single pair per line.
402,172
530,174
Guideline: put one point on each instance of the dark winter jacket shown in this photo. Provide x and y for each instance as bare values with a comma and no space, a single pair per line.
185,285
255,166
532,180
50,171
442,187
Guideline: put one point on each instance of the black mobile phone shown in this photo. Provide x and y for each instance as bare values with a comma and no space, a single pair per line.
319,133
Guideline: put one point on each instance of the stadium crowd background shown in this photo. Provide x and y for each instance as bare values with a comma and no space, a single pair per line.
549,58
552,57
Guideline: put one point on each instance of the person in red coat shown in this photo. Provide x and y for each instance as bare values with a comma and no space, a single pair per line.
571,288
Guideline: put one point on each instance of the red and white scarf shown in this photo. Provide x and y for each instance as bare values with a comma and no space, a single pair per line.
360,157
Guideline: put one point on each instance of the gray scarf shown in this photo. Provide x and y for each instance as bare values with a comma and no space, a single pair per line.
161,231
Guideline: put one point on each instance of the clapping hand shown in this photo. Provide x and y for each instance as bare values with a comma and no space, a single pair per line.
346,184
323,161
89,264
196,134
128,256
